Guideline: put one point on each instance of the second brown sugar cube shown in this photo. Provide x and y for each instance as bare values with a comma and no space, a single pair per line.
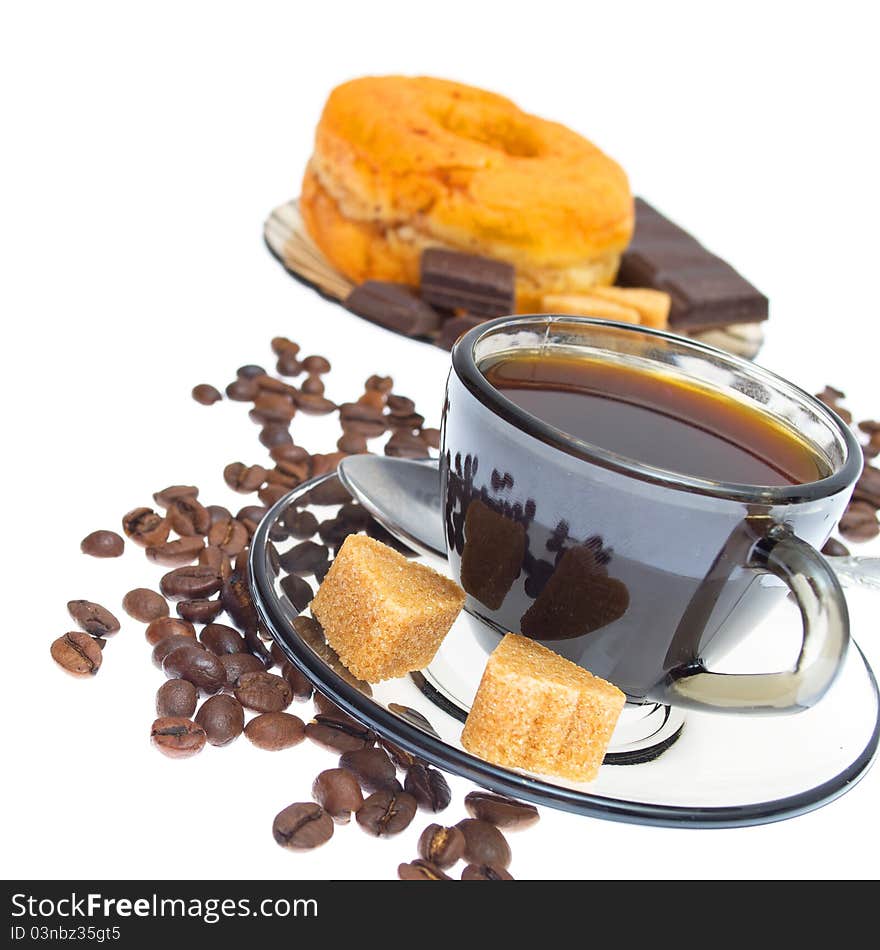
384,615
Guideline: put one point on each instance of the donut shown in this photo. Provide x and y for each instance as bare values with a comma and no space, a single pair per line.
405,163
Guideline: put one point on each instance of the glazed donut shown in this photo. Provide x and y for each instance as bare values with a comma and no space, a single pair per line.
404,163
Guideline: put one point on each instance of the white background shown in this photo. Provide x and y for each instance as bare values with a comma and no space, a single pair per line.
143,147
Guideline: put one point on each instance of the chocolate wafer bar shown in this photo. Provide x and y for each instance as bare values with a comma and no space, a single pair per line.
393,306
705,290
479,285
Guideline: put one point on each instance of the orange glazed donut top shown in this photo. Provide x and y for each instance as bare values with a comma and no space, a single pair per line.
468,169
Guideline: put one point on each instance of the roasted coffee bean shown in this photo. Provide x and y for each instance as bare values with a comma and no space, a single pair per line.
274,731
485,872
386,813
255,645
299,683
274,435
169,644
189,517
237,664
206,394
339,734
77,653
201,667
187,583
484,843
372,398
269,408
500,811
281,344
300,524
868,486
421,870
295,470
297,591
859,522
145,605
338,793
242,390
316,364
313,386
230,536
200,609
263,692
428,786
400,757
157,630
176,553
250,371
220,639
93,618
278,477
251,516
362,420
400,405
174,493
271,493
372,768
352,443
295,454
244,478
217,560
834,548
177,737
288,365
313,405
102,544
382,384
176,698
302,827
431,437
145,527
270,385
403,445
441,846
236,597
304,557
324,706
222,718
406,423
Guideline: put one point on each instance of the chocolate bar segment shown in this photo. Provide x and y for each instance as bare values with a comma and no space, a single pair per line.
706,291
479,285
393,306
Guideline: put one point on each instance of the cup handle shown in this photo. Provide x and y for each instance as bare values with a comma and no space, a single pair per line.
826,637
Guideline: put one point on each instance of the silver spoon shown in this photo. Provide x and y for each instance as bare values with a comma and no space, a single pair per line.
404,497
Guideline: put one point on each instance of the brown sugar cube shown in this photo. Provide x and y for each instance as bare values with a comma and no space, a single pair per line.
535,710
493,553
384,615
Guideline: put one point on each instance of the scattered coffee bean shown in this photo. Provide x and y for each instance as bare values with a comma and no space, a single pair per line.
144,604
168,645
102,544
313,405
382,384
217,560
302,827
250,371
219,639
93,618
177,737
222,718
237,664
400,405
201,667
77,653
304,557
313,386
386,813
431,437
244,478
484,843
859,522
834,548
421,870
485,872
274,435
372,768
316,364
338,793
273,408
251,516
176,553
274,731
200,609
299,683
290,453
263,692
500,811
206,394
406,423
281,345
297,591
404,445
868,486
174,493
428,786
188,517
186,583
145,527
288,365
230,536
236,597
271,493
352,443
372,398
400,757
242,390
176,698
339,733
441,846
157,630
362,419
